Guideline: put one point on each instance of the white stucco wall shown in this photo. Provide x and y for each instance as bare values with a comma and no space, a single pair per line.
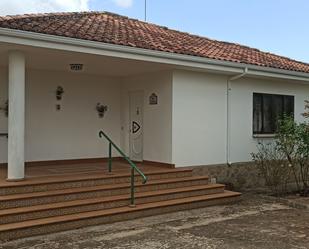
242,142
186,128
199,116
3,119
157,119
71,133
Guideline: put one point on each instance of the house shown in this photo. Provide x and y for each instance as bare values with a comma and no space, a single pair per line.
167,98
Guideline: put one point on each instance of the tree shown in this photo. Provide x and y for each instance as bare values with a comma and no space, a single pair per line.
292,141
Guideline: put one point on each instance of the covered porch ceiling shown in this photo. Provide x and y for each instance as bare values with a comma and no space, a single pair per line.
52,59
58,60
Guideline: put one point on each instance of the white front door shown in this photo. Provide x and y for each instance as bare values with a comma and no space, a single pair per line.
136,125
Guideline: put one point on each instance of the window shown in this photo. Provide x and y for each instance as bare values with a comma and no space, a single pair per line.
267,109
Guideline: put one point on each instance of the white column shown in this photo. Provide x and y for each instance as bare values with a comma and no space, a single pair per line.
16,130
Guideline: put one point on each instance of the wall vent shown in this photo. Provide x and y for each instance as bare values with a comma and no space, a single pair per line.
76,67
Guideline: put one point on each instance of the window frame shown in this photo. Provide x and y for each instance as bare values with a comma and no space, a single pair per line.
261,94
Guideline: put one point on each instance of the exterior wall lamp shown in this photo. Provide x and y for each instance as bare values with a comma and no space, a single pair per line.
5,109
59,92
101,109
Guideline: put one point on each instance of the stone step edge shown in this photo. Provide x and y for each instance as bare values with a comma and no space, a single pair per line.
113,211
82,177
91,201
96,188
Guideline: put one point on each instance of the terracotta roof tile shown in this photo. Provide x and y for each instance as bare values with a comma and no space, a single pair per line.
115,29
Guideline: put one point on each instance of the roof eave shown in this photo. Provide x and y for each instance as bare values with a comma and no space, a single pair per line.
27,38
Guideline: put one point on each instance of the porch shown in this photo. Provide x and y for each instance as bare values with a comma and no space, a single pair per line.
54,117
53,172
44,126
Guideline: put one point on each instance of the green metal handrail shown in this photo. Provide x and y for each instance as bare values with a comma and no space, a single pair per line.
133,166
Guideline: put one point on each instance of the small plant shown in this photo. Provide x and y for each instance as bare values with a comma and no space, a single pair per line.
273,167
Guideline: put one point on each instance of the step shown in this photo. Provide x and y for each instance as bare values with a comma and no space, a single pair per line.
75,181
77,206
37,198
78,220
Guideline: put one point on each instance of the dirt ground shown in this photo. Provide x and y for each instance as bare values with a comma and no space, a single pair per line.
256,222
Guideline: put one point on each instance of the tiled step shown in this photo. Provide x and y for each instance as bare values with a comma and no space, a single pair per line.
73,221
77,206
37,198
89,180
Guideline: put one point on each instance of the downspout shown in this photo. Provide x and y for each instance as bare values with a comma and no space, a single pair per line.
229,114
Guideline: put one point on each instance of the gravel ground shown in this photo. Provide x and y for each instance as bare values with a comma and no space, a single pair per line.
255,222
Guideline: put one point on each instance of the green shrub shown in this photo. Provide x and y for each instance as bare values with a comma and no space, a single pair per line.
288,154
293,141
273,167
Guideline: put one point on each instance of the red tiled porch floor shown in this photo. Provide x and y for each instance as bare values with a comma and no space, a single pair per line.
63,171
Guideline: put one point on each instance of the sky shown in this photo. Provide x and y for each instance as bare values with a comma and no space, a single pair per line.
277,26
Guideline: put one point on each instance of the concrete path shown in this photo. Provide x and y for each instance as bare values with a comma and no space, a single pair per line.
255,222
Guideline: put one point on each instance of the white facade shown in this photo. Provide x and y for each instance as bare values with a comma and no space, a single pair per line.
242,141
3,119
157,119
200,116
187,127
72,132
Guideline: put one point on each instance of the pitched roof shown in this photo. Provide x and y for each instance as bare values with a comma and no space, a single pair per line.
115,29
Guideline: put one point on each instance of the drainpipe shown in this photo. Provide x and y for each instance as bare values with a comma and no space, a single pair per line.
229,114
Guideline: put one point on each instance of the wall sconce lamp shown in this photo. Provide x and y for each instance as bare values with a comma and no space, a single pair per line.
101,109
59,92
5,109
